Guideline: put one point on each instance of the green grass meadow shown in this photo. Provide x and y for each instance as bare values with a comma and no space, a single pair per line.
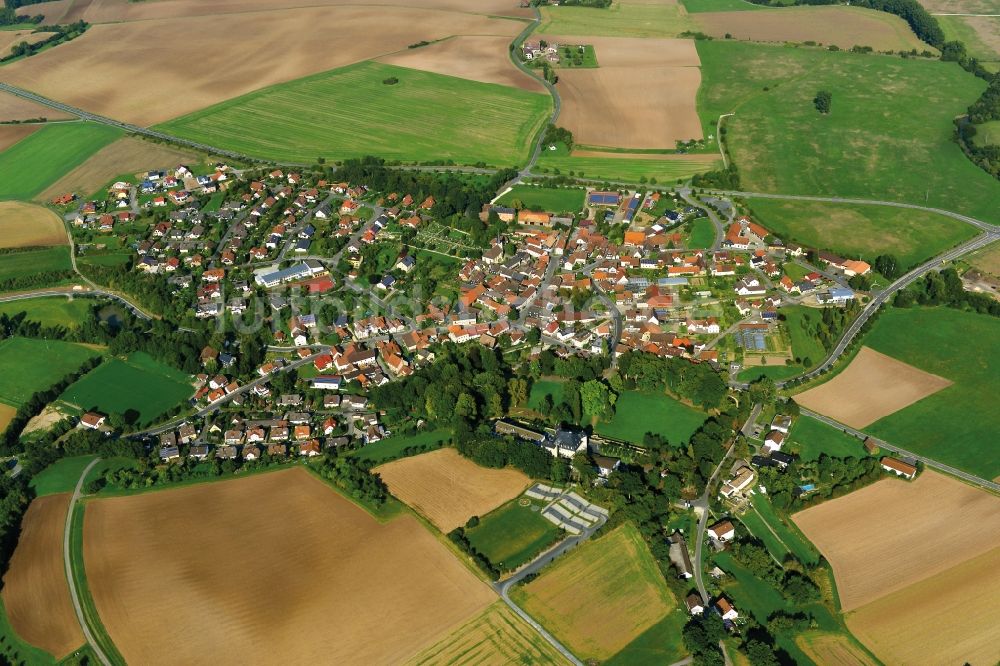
28,365
800,322
809,438
50,311
551,199
61,476
988,133
702,233
657,645
775,372
913,236
139,383
888,136
30,262
959,424
638,413
699,6
350,112
630,169
42,158
513,535
392,447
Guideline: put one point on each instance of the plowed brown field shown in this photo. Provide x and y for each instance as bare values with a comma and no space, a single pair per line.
13,107
35,590
477,58
256,49
603,107
11,134
449,489
274,568
842,26
26,225
894,533
126,155
873,386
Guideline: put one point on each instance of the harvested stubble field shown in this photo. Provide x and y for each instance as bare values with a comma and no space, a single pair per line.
873,386
483,59
277,560
25,225
988,259
114,11
599,597
497,636
126,155
624,18
6,415
35,590
13,107
665,70
255,50
448,489
894,533
352,111
842,26
938,620
832,649
980,34
11,134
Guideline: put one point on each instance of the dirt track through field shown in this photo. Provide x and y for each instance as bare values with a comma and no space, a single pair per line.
894,533
26,225
35,590
947,619
642,95
449,489
872,387
482,59
843,26
273,568
256,49
125,156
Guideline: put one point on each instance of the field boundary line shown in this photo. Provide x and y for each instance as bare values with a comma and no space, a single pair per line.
68,562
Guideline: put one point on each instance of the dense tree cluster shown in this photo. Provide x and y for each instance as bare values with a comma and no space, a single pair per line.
945,288
698,382
14,498
497,453
355,478
555,135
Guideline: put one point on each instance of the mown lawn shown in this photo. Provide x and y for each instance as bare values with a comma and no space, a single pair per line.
801,322
629,169
513,534
50,311
702,234
637,413
41,158
551,199
959,424
543,387
886,111
809,438
28,365
775,372
912,236
139,383
392,447
61,476
351,112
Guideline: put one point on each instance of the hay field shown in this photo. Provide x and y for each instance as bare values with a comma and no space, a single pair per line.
871,387
7,414
126,155
497,636
35,590
273,568
483,59
11,134
257,49
832,649
624,18
893,533
599,597
13,107
987,259
842,26
944,619
448,489
26,225
600,106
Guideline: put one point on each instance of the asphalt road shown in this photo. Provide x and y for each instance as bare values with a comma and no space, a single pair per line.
928,462
103,658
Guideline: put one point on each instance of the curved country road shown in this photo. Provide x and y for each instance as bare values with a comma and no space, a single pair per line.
68,293
103,658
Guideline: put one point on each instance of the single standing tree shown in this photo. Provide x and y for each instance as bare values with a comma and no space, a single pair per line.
823,101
